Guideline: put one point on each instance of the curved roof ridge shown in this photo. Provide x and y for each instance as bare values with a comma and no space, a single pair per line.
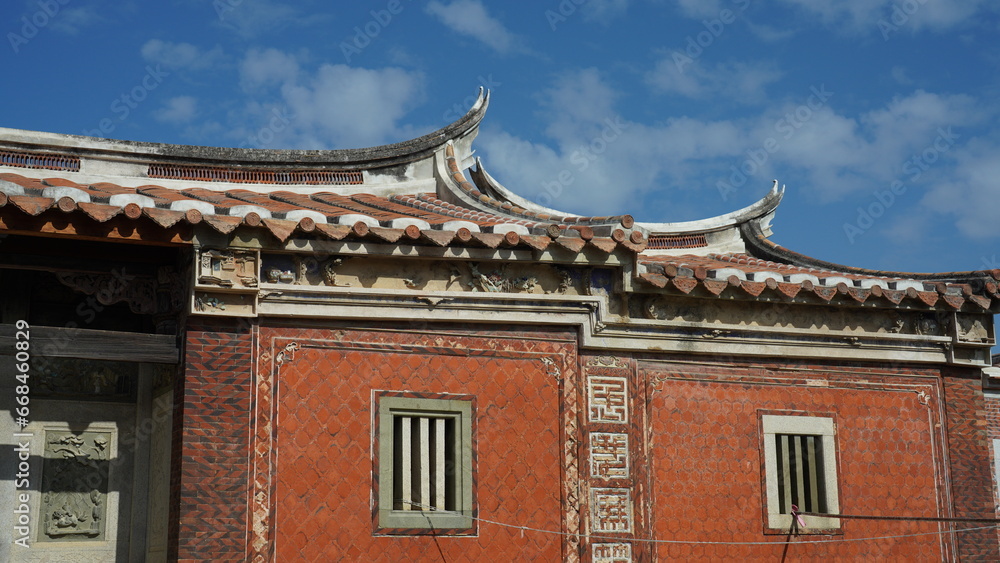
507,208
758,243
755,211
490,186
380,155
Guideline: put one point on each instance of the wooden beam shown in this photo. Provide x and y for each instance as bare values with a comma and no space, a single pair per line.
61,342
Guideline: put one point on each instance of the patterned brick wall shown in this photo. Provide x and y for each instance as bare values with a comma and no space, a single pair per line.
707,459
992,405
971,462
209,461
319,401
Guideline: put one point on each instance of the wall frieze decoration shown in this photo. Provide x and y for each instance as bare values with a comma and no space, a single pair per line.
139,292
228,268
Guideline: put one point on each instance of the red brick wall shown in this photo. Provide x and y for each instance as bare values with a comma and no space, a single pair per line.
321,496
209,466
707,459
992,404
971,462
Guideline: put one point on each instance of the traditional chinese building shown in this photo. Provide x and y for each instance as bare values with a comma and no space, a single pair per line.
385,354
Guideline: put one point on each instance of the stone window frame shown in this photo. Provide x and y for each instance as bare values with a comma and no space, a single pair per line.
824,426
462,409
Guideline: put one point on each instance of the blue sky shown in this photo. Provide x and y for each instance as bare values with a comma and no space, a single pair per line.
881,117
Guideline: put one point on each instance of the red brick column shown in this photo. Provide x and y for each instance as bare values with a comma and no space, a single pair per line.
209,471
971,465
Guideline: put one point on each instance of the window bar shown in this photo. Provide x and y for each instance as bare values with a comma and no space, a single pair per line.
407,465
799,475
439,463
425,462
814,502
785,485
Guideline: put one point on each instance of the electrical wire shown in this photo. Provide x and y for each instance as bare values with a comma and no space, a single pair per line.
702,542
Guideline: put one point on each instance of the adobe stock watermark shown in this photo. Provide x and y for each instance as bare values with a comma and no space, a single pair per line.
458,109
582,159
281,119
365,34
123,105
33,24
224,7
695,45
563,11
786,126
899,16
913,167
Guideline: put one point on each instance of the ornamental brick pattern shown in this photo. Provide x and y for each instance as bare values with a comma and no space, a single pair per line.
322,465
614,444
971,463
209,470
707,457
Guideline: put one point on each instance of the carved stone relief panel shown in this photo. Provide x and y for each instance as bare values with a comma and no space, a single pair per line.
612,553
609,455
974,329
225,304
424,275
611,510
75,477
607,399
228,268
789,316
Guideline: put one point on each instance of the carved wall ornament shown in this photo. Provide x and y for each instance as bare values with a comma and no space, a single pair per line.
612,553
607,399
607,362
498,281
609,455
204,303
923,398
330,273
75,485
139,292
288,354
894,323
611,510
972,329
228,268
552,368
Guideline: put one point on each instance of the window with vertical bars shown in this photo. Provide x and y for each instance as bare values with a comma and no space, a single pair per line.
423,455
800,473
800,465
425,458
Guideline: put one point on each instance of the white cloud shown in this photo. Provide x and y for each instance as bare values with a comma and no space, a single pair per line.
335,106
871,16
604,10
72,20
859,16
744,82
178,110
254,18
699,8
899,74
180,55
971,194
595,162
469,17
267,67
